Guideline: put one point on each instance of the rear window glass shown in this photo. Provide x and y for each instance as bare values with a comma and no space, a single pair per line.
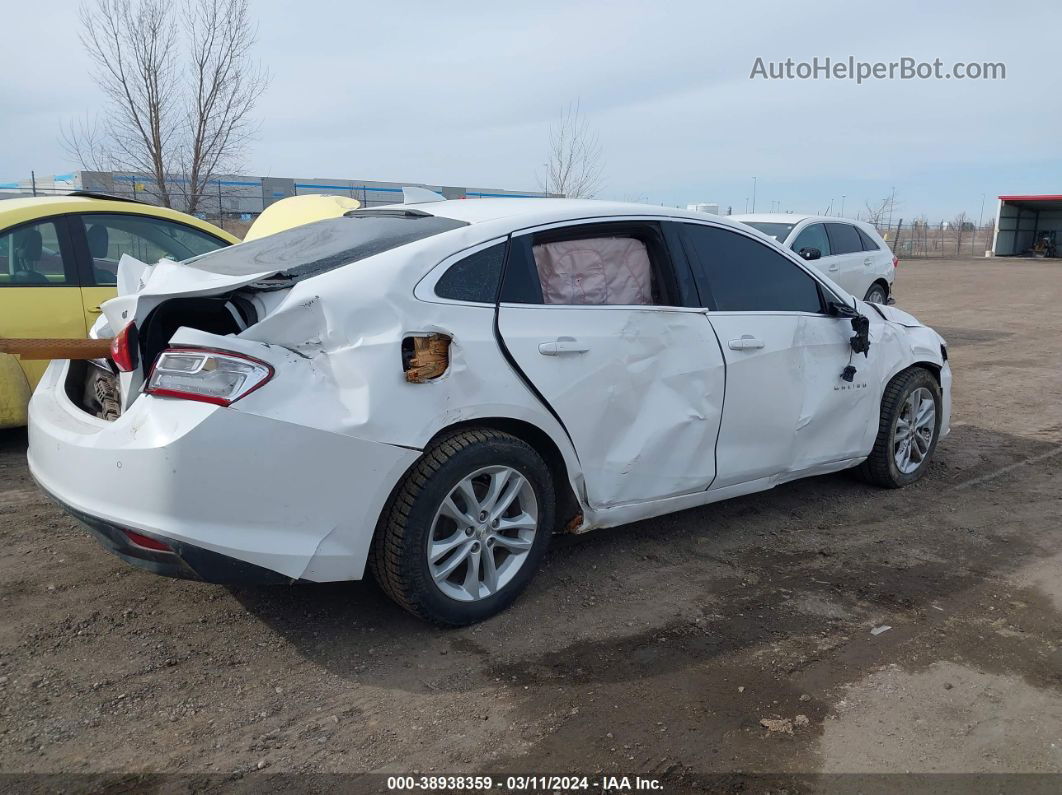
312,249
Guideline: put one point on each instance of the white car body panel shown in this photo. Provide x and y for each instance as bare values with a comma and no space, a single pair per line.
294,476
642,401
787,408
856,271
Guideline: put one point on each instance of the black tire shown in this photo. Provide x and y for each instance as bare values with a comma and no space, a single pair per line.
880,467
399,556
877,294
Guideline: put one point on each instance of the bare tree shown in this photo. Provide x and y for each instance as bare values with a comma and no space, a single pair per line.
227,86
880,213
961,223
574,168
180,86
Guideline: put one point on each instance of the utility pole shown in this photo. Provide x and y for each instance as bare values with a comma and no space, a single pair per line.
753,194
746,204
892,201
842,205
33,181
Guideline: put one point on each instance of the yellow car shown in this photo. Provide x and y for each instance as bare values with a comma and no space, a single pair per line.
58,260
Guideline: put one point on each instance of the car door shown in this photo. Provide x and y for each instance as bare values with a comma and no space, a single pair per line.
847,249
39,291
101,239
604,327
787,408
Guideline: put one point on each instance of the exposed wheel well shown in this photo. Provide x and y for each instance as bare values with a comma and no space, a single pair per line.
567,503
933,368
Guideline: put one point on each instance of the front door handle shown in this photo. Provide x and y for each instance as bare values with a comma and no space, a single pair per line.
95,310
834,267
746,343
562,345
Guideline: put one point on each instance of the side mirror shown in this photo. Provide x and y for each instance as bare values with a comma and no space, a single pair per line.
810,253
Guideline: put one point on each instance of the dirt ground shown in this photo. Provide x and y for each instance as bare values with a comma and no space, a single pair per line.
651,649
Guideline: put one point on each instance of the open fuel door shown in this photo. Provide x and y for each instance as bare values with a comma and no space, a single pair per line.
591,315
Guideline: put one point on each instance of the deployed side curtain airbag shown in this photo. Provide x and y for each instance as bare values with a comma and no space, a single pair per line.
599,270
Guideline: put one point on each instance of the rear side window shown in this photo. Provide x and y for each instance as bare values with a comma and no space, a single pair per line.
844,239
149,239
868,242
813,237
31,256
739,274
604,264
474,278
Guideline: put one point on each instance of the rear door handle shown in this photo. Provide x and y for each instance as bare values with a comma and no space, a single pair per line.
562,345
867,261
96,310
746,343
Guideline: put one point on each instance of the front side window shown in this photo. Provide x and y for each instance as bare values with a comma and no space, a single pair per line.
30,256
739,274
813,237
474,278
844,239
148,239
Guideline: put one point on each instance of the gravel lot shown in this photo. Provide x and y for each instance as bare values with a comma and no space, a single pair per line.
655,648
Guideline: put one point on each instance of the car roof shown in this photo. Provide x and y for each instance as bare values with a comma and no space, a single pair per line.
530,212
18,210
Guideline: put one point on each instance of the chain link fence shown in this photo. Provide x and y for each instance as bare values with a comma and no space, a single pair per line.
922,239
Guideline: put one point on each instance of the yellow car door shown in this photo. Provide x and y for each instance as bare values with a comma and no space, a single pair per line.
40,296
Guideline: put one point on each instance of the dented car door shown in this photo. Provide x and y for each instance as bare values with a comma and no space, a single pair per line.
787,408
592,316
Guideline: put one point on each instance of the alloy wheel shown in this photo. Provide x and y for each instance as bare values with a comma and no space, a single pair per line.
482,533
914,429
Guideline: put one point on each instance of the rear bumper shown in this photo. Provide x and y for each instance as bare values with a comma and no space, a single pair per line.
222,486
185,562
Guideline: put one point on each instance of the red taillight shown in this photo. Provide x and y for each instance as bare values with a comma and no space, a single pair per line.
895,261
209,376
144,542
123,349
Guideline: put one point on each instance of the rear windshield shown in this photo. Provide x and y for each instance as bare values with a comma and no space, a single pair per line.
778,231
312,249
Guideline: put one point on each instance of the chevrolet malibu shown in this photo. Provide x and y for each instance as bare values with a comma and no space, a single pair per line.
430,390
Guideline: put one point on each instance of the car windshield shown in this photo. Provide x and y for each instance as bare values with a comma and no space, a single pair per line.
778,231
312,249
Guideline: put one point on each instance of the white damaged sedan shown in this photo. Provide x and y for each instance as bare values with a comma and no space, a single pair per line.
431,390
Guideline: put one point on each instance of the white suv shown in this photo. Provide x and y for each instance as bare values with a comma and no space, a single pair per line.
849,252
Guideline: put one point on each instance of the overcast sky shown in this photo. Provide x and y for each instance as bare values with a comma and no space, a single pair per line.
462,93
